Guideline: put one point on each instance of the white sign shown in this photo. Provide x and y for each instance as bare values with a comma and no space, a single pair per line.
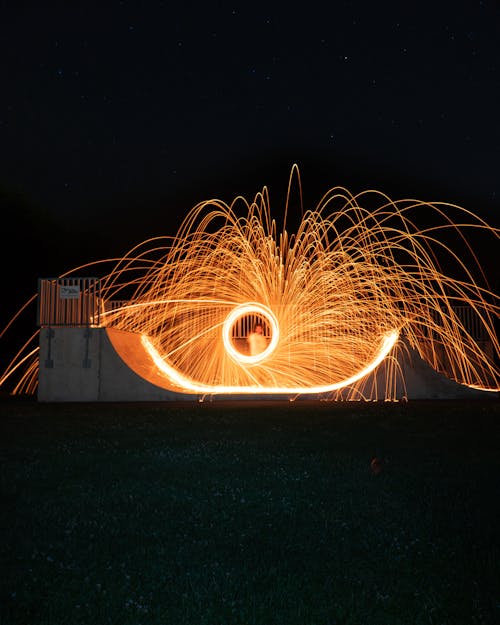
69,292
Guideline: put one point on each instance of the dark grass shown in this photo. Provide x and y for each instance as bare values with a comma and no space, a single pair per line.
242,514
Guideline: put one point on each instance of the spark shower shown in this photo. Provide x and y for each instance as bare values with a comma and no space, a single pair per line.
357,282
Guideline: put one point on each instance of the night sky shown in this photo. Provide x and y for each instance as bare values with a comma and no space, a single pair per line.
117,117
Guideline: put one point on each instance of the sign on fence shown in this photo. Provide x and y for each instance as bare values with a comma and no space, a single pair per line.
69,292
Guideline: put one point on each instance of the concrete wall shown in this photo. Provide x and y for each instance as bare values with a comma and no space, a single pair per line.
70,360
80,364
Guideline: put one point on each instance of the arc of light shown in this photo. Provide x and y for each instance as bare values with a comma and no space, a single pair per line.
240,311
191,386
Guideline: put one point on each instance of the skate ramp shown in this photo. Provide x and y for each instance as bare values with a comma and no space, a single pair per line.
106,364
421,381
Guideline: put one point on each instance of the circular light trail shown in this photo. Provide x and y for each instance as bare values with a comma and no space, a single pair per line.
227,330
387,343
357,273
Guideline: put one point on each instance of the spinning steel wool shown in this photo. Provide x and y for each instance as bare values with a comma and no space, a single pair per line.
331,300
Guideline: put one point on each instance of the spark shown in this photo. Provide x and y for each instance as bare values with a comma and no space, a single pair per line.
189,385
353,285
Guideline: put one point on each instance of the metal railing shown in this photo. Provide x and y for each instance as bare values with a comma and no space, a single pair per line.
471,322
76,302
468,318
245,325
70,302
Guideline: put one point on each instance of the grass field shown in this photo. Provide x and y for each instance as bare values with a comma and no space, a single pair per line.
246,514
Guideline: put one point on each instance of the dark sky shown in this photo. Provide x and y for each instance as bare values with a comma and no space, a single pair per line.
116,117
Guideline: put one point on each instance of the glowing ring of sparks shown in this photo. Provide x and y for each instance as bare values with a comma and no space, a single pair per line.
335,295
191,386
241,311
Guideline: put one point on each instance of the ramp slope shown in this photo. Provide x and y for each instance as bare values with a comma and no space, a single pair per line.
421,381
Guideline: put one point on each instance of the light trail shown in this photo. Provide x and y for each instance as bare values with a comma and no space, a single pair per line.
357,273
192,386
227,331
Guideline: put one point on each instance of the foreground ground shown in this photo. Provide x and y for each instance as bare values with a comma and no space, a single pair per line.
265,514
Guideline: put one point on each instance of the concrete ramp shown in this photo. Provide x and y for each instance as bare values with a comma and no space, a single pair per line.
99,364
423,382
105,364
128,373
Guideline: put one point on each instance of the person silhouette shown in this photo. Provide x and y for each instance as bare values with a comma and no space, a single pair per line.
256,340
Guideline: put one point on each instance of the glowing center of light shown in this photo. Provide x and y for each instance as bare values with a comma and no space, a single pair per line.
191,386
249,308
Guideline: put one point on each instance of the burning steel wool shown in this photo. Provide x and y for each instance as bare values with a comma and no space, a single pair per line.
329,303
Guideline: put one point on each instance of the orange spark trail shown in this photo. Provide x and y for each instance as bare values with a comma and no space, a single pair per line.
331,299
